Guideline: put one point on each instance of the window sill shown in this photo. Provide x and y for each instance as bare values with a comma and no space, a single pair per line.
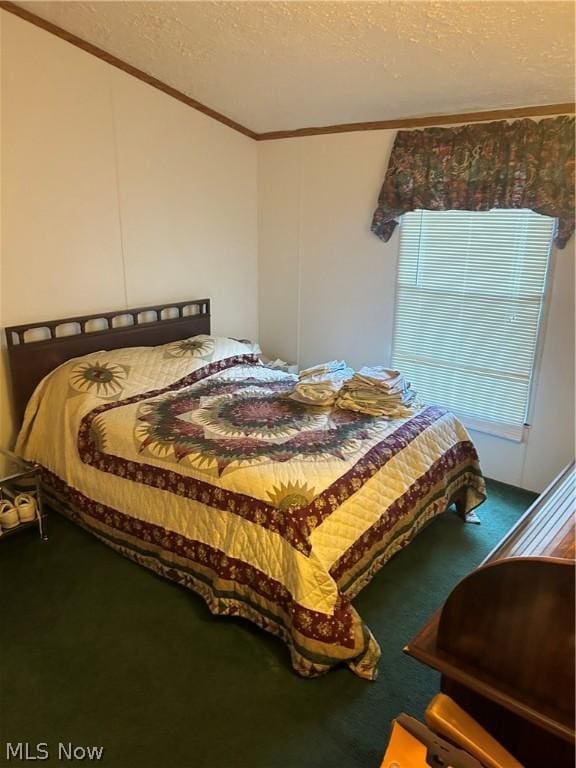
516,433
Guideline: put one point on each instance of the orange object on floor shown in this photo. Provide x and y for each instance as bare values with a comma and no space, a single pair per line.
414,745
404,750
445,717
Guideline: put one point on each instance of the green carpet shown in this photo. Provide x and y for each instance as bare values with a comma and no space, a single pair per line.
98,651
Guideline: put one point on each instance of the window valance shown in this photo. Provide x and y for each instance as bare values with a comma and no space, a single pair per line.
523,164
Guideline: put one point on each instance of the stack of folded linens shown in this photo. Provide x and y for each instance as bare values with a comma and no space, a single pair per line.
321,384
378,391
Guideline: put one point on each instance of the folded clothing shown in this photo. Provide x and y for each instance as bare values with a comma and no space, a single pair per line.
320,385
323,369
378,391
372,406
384,379
321,393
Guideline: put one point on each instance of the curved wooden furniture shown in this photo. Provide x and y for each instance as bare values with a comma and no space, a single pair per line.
35,349
504,640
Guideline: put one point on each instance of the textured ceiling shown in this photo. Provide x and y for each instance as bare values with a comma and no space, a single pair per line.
285,65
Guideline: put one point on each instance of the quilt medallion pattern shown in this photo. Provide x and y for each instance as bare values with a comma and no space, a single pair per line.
245,422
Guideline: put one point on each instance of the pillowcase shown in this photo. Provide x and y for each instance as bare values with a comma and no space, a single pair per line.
253,345
209,349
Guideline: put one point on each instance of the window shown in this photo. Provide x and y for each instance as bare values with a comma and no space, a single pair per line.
468,309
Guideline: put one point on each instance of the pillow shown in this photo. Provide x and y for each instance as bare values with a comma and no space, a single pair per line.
253,345
209,349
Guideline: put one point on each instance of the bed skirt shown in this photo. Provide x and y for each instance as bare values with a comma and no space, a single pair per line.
314,642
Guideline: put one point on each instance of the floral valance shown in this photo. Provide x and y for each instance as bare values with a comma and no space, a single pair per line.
523,164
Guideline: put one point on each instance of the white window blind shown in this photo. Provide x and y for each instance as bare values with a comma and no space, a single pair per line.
468,309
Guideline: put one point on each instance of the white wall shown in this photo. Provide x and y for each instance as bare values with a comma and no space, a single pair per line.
321,269
332,283
116,195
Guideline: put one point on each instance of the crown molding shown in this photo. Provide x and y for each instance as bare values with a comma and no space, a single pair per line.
409,122
124,66
425,122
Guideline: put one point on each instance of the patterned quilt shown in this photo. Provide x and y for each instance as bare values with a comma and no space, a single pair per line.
190,459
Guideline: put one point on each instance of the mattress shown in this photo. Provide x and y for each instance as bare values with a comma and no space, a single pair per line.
190,459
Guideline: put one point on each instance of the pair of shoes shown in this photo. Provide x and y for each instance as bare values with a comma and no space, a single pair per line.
24,510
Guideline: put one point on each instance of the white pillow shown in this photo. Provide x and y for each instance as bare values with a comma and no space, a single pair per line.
213,348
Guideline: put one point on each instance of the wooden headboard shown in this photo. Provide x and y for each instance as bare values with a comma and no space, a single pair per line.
31,358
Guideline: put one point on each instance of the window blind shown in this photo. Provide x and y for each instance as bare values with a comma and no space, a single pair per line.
468,310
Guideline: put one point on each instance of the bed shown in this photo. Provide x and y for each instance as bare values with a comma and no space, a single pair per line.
181,451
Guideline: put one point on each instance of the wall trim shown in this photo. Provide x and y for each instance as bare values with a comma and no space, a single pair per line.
425,122
124,66
379,125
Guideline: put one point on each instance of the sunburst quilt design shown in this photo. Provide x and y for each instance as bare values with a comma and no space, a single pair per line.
202,348
101,378
232,424
287,496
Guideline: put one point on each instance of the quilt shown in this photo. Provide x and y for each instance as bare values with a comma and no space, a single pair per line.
190,459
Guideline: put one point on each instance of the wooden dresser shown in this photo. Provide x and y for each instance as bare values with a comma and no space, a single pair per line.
504,639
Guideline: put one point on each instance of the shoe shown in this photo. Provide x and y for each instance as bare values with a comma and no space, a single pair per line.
8,515
26,507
